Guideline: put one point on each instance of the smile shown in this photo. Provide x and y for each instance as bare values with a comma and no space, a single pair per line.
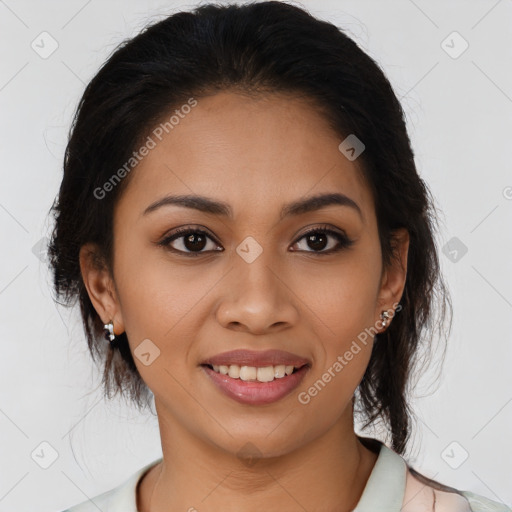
255,385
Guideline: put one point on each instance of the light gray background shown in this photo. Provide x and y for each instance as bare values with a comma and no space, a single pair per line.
459,113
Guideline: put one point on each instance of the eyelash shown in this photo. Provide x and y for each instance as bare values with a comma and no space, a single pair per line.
343,241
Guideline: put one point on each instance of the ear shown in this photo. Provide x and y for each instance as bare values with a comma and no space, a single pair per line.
394,276
100,286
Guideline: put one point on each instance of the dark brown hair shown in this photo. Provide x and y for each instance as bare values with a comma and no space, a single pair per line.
258,48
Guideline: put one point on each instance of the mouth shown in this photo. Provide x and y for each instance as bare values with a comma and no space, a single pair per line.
255,377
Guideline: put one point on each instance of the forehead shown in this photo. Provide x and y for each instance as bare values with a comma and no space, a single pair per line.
255,153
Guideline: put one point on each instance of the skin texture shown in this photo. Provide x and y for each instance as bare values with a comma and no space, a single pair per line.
256,155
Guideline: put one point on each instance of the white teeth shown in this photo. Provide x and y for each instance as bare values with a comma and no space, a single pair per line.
234,371
266,374
248,372
261,374
279,371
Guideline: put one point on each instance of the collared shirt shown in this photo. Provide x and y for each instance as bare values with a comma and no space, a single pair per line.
391,487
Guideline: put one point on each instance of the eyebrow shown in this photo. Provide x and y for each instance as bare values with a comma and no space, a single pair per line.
214,207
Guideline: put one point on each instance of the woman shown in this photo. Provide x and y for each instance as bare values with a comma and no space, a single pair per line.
240,213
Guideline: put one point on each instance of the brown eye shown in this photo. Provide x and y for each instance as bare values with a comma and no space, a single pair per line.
318,239
190,241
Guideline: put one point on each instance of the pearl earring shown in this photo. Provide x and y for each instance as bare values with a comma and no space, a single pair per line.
109,333
385,316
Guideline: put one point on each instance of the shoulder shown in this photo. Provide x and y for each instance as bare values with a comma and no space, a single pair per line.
420,496
482,504
106,502
122,498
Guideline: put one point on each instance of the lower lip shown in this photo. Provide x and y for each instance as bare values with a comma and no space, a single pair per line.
256,393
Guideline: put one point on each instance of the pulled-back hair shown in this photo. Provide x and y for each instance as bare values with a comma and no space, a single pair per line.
253,49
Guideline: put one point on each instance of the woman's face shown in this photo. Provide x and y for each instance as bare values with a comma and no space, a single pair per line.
254,281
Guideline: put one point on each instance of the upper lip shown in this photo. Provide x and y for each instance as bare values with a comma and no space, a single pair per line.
257,358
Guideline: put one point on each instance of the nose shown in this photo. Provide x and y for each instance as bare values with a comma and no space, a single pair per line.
258,297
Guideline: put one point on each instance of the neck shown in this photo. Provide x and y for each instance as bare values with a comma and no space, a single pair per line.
329,473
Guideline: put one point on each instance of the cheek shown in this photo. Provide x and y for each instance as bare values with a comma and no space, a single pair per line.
161,301
344,299
343,306
350,312
346,337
